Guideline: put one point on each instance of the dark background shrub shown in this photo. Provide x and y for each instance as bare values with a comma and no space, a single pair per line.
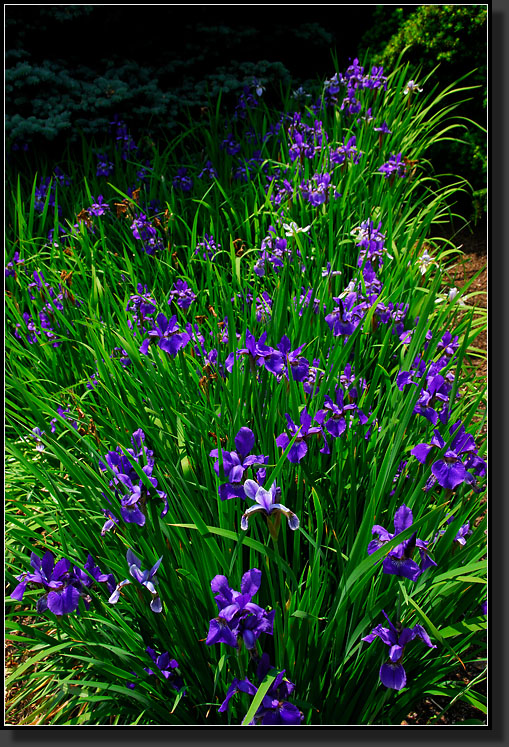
455,38
70,69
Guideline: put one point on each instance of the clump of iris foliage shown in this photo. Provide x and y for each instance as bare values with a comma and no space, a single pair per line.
245,463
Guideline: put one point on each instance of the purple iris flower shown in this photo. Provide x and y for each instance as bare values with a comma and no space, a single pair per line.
265,502
63,414
451,470
141,306
208,170
256,350
168,668
345,317
284,359
346,151
144,231
399,561
145,578
336,422
100,207
36,435
392,673
317,190
127,485
384,128
235,464
63,584
231,145
274,709
394,166
239,618
463,532
84,578
182,180
304,431
209,245
448,344
10,267
60,598
182,294
166,335
104,166
437,391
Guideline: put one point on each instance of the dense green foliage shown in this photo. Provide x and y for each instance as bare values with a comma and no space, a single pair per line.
304,224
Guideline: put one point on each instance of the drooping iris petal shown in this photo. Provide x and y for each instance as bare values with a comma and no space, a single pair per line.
421,451
393,675
156,604
19,591
450,474
419,630
405,567
63,602
297,452
336,426
219,632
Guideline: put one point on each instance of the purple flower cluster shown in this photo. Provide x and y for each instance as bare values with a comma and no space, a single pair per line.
399,560
104,167
333,416
274,710
354,79
319,189
168,668
166,334
64,584
346,152
10,268
141,306
182,181
453,468
239,619
146,233
181,294
229,144
45,190
128,487
303,432
209,246
372,243
236,463
273,250
48,323
63,414
305,140
395,166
